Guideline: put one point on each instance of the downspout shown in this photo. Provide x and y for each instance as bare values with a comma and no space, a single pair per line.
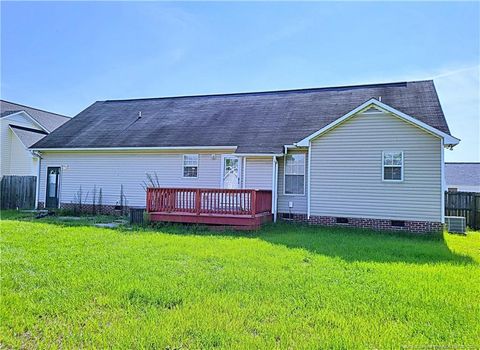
442,172
244,172
309,162
37,190
274,187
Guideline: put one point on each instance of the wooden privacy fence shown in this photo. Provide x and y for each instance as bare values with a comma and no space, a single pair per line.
209,201
466,204
18,192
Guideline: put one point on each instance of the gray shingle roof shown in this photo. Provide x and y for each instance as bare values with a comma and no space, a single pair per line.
260,122
49,120
7,113
462,174
28,136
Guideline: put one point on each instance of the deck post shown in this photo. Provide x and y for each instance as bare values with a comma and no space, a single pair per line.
254,203
198,203
147,204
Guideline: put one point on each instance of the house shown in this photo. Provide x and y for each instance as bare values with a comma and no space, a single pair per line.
462,177
364,156
21,127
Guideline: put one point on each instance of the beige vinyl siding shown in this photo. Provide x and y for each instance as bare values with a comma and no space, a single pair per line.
299,201
110,170
8,141
21,160
258,173
6,137
347,171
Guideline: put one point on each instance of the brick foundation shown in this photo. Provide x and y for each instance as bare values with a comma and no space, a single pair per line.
374,224
88,208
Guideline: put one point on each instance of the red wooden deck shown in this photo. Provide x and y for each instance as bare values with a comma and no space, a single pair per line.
243,209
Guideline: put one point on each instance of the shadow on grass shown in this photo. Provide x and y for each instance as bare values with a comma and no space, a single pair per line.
365,245
348,244
57,218
344,243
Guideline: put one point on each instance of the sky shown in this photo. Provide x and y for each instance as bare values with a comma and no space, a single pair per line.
63,56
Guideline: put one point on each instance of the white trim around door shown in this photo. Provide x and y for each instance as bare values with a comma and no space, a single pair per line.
239,170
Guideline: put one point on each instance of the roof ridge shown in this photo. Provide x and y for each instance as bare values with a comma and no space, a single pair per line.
37,109
306,90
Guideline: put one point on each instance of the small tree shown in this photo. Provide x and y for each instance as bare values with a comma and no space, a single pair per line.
100,199
78,201
121,195
94,197
122,203
152,181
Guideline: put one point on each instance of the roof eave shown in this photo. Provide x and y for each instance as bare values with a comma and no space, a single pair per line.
73,149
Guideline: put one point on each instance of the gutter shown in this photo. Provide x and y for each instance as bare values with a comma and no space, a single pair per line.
134,148
250,155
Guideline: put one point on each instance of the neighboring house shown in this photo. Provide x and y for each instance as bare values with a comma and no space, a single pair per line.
21,127
367,156
462,177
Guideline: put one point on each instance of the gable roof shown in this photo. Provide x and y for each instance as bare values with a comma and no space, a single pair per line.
48,120
462,174
382,107
28,136
258,122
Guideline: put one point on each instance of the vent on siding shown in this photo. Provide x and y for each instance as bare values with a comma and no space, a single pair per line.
398,223
342,220
372,110
286,216
456,224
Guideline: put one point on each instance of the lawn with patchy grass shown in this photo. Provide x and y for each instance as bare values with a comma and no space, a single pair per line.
282,287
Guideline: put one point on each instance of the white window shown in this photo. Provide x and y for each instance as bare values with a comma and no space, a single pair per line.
190,165
295,174
392,166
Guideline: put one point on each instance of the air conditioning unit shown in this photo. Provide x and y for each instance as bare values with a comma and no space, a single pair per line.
456,224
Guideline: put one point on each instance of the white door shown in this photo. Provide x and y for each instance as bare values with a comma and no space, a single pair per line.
231,172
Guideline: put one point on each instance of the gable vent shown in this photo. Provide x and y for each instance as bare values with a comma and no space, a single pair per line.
372,110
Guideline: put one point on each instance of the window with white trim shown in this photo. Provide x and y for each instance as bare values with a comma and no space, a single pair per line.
295,174
190,165
392,166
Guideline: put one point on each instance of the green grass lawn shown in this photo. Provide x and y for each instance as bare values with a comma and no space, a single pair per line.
285,286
